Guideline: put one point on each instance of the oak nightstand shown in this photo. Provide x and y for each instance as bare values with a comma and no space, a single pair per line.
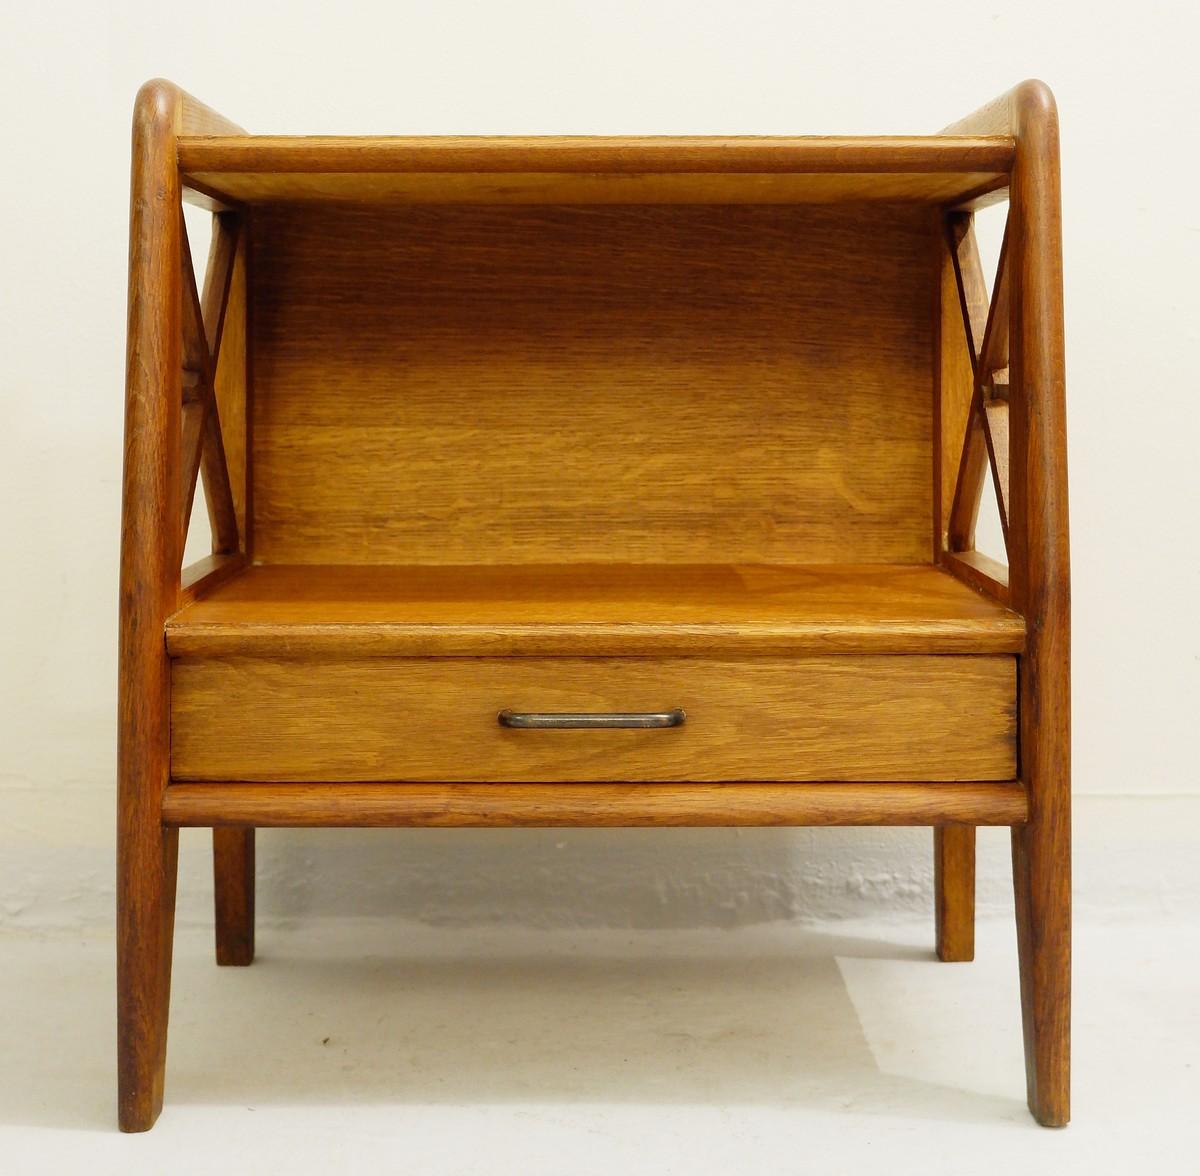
593,481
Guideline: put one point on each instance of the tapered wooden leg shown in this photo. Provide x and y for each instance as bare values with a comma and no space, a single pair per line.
1042,887
145,931
233,893
954,892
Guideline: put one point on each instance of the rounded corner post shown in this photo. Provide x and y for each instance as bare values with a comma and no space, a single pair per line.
1033,98
1039,568
149,591
158,102
1041,590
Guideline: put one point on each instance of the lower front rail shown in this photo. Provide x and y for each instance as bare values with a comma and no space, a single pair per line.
596,805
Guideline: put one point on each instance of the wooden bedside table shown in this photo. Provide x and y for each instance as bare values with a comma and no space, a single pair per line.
589,481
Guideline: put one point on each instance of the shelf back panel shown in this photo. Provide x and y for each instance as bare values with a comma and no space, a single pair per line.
638,384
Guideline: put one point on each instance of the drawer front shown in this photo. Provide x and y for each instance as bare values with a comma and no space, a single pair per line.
435,719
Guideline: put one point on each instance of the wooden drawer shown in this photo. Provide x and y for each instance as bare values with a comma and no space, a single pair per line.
428,719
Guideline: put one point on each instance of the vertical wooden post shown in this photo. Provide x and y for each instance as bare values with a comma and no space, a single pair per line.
151,553
150,556
954,892
1039,570
233,894
1041,590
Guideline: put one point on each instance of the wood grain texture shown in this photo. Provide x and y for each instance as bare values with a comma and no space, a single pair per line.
151,545
658,377
591,805
472,385
1039,557
151,552
545,188
622,154
213,304
954,892
985,333
196,381
968,280
230,387
622,170
196,119
993,352
995,419
993,358
969,485
962,300
233,895
1041,589
596,610
981,572
843,718
197,580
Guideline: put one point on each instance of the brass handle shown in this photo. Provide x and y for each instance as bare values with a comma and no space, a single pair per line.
548,721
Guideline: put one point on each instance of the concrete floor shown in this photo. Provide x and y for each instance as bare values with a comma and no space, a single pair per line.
378,1047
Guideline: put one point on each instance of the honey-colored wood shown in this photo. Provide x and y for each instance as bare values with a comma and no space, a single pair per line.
203,325
201,578
986,335
1039,559
995,422
150,557
151,551
968,487
196,356
993,352
594,170
1041,589
841,718
392,189
983,573
195,378
586,154
954,892
968,280
193,413
985,325
218,277
961,314
993,358
594,805
233,895
630,385
597,610
231,390
195,120
593,424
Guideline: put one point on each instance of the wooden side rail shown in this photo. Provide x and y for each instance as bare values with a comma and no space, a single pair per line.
595,805
153,489
972,405
1039,581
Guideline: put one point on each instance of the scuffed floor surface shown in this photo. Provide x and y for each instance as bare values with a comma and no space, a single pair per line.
384,1047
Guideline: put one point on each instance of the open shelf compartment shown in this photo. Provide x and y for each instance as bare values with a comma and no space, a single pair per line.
598,610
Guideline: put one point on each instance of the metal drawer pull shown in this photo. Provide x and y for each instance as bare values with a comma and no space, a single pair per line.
547,721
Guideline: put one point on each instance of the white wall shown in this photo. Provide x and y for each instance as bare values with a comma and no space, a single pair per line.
1129,96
